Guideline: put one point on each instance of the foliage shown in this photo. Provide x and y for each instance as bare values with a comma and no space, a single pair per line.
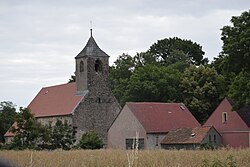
239,91
7,117
91,140
236,42
27,130
62,135
31,134
153,83
202,90
72,79
172,50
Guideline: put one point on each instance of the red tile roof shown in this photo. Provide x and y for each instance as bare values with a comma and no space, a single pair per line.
55,100
186,135
162,117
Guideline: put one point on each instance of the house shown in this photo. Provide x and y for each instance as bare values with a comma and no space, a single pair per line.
151,120
191,138
234,126
88,104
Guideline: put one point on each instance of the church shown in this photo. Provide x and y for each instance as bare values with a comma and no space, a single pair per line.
88,104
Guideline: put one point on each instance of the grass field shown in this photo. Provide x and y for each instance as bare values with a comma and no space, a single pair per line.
118,158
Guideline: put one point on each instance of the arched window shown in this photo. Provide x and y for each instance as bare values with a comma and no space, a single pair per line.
81,66
98,65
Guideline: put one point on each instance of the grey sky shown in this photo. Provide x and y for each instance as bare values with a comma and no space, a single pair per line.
39,39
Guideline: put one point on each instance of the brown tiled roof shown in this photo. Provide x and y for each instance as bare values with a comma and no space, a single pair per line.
91,49
55,100
162,117
186,135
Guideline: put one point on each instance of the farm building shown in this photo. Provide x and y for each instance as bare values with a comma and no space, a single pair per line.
191,138
88,103
151,120
234,126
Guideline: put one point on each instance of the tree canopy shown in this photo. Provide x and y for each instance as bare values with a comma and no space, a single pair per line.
7,117
236,44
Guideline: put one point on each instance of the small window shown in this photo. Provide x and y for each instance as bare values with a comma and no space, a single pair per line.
224,117
99,100
81,66
98,65
156,140
214,138
130,143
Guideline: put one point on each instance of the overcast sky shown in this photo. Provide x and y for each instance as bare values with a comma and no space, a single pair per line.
39,39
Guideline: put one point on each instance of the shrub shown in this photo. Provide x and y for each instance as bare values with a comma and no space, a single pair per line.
91,140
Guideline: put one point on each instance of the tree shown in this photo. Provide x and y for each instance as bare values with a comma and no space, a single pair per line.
27,130
91,140
153,83
202,90
62,135
239,91
236,44
7,117
171,50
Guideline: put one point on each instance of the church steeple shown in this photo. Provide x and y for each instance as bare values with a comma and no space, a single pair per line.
91,49
91,65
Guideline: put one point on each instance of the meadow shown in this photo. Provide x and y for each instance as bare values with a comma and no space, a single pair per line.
119,158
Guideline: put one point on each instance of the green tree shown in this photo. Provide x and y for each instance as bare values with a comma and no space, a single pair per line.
239,91
154,83
91,140
202,90
119,75
236,44
27,130
62,135
7,117
171,50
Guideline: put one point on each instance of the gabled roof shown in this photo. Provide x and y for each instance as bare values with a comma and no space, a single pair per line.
162,117
186,135
55,101
91,49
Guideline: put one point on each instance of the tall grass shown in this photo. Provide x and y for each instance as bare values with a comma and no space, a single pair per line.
118,158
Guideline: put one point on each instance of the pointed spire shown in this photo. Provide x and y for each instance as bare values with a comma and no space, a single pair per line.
92,49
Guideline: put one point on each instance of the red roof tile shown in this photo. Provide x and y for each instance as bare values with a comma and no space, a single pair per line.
55,100
162,117
9,133
186,135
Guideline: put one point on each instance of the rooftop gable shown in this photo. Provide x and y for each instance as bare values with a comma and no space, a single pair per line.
55,101
162,117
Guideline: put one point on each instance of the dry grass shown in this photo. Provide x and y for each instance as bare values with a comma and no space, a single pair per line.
118,158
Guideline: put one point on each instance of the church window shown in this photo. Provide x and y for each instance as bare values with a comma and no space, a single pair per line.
98,65
99,100
81,66
224,117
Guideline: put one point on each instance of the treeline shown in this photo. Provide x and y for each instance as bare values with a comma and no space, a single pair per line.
175,70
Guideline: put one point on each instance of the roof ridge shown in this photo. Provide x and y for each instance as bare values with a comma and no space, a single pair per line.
46,87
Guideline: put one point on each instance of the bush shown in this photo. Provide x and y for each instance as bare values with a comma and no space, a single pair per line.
91,140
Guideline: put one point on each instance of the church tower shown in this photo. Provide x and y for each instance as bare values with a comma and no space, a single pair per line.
99,107
92,65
